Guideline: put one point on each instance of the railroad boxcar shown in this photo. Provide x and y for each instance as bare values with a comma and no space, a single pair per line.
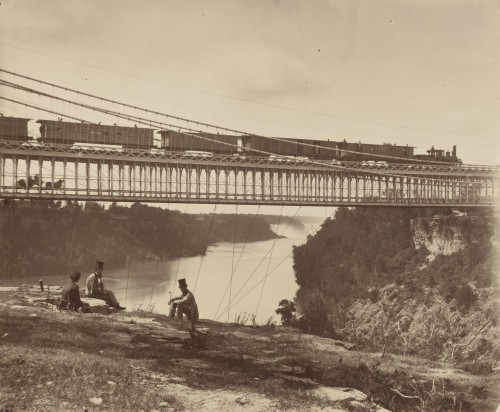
254,145
205,142
364,151
295,147
328,150
386,149
14,128
52,131
284,147
303,148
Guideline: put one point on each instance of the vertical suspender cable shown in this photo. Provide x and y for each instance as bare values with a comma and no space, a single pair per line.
272,270
158,262
232,262
253,272
269,262
182,247
154,282
239,258
130,251
206,242
70,246
246,240
94,242
12,234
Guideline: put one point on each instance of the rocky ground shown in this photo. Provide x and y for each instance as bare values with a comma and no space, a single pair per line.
62,361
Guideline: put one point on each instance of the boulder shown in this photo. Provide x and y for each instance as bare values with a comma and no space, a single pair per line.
338,394
98,306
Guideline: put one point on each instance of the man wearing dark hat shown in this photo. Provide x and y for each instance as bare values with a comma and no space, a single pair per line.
70,295
97,290
184,304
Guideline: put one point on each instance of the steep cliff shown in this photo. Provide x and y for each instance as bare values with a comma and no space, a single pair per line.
403,280
440,235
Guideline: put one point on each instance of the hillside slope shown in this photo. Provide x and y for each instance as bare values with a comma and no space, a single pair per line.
62,361
405,281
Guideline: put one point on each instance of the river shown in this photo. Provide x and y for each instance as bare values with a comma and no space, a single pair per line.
247,272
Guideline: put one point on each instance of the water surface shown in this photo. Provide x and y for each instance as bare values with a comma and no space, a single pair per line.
255,275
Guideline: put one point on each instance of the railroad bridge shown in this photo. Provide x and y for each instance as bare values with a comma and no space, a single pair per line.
62,172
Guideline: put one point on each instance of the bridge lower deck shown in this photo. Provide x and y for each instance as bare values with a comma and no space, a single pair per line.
31,172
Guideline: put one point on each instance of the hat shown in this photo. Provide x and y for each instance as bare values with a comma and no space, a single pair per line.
182,283
99,264
75,276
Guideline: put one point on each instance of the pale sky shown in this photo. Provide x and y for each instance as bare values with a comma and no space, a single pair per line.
418,72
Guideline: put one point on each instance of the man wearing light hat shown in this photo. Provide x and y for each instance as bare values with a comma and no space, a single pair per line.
96,288
184,304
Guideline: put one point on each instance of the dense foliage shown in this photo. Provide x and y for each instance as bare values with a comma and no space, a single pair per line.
362,278
287,310
46,237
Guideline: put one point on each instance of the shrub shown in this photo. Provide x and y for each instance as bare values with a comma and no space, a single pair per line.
465,297
287,311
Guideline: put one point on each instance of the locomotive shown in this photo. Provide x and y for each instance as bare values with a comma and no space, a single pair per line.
81,134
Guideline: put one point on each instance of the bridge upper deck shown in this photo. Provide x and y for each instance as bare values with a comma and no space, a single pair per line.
60,151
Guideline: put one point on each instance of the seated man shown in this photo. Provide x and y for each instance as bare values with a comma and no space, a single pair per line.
184,304
70,295
96,288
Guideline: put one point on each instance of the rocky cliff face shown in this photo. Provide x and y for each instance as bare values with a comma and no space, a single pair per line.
440,235
406,281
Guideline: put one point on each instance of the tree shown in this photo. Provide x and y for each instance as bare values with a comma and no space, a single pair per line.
287,311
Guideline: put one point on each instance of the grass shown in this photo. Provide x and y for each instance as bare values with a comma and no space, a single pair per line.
60,360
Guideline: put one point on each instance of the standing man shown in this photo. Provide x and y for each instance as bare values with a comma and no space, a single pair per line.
184,304
97,289
70,295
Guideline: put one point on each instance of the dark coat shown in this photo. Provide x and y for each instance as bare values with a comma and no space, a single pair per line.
71,294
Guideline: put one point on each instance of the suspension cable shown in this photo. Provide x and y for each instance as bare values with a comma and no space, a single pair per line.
232,262
158,262
132,236
322,164
182,246
206,243
308,161
120,103
270,273
253,272
299,143
93,245
239,258
12,236
248,236
43,110
269,262
70,245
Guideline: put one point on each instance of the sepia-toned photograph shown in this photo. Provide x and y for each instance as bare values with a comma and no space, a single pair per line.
249,206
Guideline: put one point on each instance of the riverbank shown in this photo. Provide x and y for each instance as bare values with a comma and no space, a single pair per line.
60,361
39,238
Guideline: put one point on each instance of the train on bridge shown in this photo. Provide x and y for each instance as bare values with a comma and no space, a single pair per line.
116,137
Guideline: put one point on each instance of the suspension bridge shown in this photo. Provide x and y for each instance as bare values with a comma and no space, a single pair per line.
35,171
39,169
58,170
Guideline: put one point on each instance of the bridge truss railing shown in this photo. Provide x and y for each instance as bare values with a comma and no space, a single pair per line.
35,171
